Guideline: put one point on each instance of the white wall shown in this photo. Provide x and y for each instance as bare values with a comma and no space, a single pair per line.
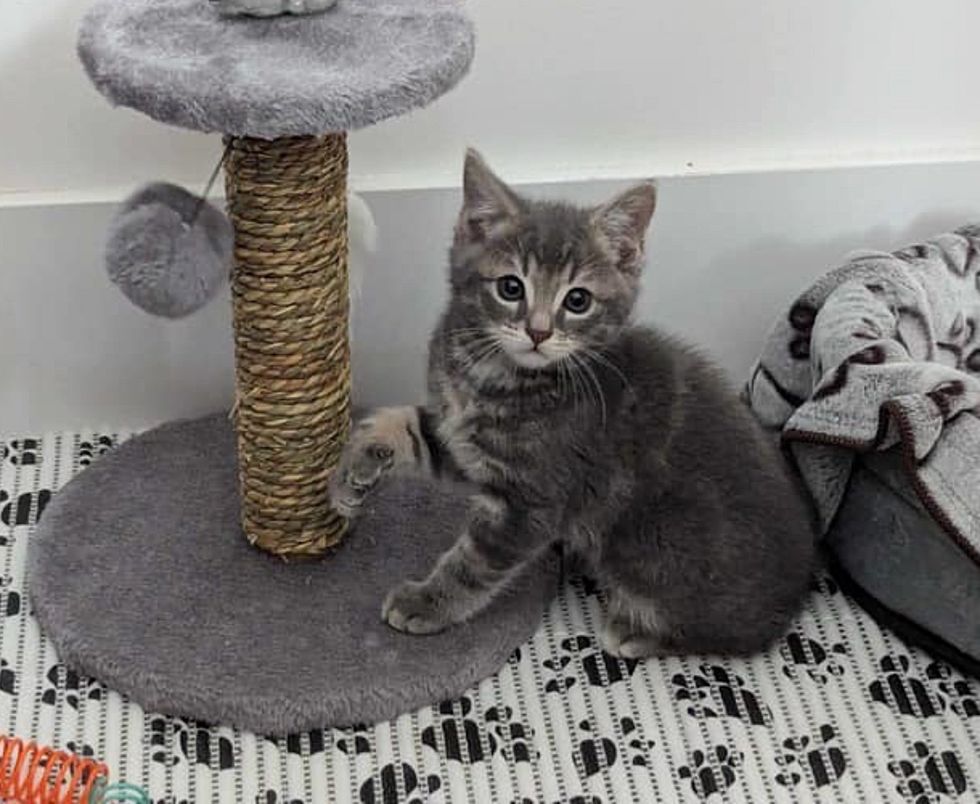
562,90
727,253
572,92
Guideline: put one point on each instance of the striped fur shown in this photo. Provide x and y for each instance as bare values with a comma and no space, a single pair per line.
576,428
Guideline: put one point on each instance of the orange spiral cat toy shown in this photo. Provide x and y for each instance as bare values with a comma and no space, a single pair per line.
35,774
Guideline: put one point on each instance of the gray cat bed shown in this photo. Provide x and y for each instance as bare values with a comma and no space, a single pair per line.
903,566
140,577
361,62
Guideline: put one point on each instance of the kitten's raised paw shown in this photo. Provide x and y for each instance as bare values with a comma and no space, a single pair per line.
412,609
362,465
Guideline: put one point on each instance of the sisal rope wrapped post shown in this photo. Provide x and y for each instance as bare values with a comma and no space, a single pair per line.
287,201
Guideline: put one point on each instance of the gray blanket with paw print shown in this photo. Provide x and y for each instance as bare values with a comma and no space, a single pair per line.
881,353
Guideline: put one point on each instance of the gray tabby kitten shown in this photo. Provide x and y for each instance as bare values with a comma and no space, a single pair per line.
623,446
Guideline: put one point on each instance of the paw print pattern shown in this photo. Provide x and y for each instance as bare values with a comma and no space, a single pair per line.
580,799
76,688
458,733
716,692
272,797
638,746
26,510
963,699
314,739
355,741
94,448
811,757
514,737
80,749
22,452
800,652
461,736
712,771
925,778
203,754
898,688
382,788
8,679
10,602
595,753
601,669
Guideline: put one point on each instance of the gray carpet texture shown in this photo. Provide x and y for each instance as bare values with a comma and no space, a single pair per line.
142,579
358,63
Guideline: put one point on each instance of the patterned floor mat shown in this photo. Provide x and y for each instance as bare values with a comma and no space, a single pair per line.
839,711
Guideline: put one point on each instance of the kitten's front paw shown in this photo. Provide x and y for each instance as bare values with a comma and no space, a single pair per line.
362,465
413,609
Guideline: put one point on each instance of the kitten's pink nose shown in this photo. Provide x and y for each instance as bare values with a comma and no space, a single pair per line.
538,336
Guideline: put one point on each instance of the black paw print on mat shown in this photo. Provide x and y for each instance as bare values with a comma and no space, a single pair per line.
514,737
272,797
76,688
21,452
601,669
81,749
461,735
716,692
819,662
203,753
898,688
382,788
595,752
712,771
355,740
924,777
8,679
26,511
963,699
94,448
585,799
811,757
456,735
294,742
10,603
637,744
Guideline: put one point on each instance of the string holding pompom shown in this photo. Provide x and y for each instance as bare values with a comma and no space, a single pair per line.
169,251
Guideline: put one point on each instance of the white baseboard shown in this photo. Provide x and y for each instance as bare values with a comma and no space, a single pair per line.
726,253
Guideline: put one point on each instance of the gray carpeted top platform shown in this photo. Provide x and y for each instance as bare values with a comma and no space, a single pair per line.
361,62
142,579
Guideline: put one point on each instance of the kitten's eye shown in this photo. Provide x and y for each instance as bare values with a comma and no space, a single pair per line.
510,288
578,301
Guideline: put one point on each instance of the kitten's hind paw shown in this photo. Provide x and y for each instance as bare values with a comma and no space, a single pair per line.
410,608
619,639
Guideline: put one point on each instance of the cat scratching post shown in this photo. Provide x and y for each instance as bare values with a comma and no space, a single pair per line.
269,646
283,91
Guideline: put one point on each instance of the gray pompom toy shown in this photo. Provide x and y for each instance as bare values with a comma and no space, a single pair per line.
169,251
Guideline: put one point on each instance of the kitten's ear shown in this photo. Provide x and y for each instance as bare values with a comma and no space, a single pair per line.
489,205
623,223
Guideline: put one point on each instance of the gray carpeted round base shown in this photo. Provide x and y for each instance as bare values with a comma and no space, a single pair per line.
141,577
